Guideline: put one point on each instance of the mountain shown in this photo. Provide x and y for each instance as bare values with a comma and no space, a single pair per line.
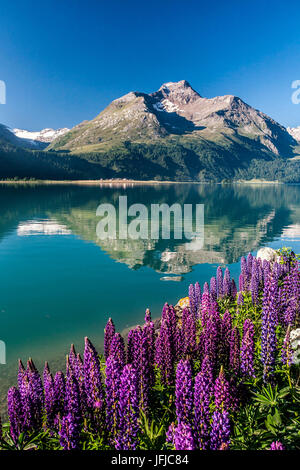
172,134
295,132
176,112
45,135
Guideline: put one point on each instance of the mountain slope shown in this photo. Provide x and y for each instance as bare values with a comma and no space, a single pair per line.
178,114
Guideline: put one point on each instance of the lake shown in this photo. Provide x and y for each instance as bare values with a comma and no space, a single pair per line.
59,282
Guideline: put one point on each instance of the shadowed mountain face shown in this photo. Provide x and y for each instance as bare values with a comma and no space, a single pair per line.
177,113
238,219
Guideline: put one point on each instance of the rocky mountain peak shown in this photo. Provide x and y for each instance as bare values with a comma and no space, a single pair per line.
177,92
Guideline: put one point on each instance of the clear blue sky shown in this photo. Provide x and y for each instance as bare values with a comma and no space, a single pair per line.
64,61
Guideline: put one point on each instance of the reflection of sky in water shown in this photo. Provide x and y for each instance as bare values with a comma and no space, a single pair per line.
42,227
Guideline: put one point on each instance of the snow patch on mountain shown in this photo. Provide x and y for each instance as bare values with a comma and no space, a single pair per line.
45,135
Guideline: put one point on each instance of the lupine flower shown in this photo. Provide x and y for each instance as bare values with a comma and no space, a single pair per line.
249,264
71,423
276,445
117,348
234,355
130,347
170,434
49,396
15,413
205,307
193,301
242,282
244,274
247,349
188,332
240,300
143,367
222,393
68,433
213,288
164,354
226,283
183,437
220,281
32,394
112,389
233,289
59,396
147,316
109,333
220,431
92,376
129,410
198,295
254,282
287,352
202,393
269,321
184,392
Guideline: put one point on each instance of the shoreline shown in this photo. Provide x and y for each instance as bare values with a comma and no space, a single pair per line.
124,182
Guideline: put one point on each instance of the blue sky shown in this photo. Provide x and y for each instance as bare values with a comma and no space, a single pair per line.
64,61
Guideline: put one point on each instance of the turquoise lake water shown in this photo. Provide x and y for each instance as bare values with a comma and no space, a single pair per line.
59,282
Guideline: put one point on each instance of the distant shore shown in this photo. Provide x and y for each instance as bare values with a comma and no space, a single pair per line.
112,182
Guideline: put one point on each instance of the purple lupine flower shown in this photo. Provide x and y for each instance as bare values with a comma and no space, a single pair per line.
112,390
213,288
226,283
68,433
184,392
220,281
149,333
192,299
205,307
276,445
59,396
247,349
233,289
188,332
21,373
198,295
226,327
143,367
128,410
202,393
220,431
234,355
249,265
222,392
254,284
130,346
117,348
183,437
49,396
240,300
269,321
211,341
243,281
92,377
164,354
15,413
286,351
170,434
72,358
206,288
33,395
109,333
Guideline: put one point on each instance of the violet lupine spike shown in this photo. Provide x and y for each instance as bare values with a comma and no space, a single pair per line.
220,282
205,308
109,332
69,431
254,284
198,295
226,327
222,393
202,394
143,368
233,289
247,349
268,332
286,351
72,358
220,431
234,355
112,390
49,396
206,288
149,332
188,332
128,410
170,434
15,413
240,300
117,348
92,377
21,373
226,283
59,396
211,341
249,265
213,288
184,392
130,347
183,437
192,299
164,354
276,445
35,395
243,282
